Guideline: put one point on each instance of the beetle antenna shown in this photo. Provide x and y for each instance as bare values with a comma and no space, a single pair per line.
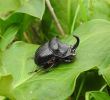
77,43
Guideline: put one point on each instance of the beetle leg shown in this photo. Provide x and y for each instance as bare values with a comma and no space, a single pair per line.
67,61
51,61
36,70
48,69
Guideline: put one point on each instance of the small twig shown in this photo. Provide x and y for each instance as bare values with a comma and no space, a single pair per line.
54,17
26,37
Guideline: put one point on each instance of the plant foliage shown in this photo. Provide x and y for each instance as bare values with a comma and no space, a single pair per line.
24,24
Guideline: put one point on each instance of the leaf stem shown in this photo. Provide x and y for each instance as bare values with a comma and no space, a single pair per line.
103,87
81,87
74,19
69,10
58,25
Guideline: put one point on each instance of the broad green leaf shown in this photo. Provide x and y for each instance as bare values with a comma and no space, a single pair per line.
7,37
8,5
105,66
96,95
31,7
93,9
23,59
99,9
59,83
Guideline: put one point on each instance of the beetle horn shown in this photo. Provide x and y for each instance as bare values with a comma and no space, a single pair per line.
76,44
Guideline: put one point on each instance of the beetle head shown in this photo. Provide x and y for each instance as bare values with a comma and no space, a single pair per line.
71,51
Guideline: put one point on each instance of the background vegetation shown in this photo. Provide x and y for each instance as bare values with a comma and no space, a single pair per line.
26,24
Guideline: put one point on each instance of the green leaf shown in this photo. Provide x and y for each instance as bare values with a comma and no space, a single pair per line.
99,9
8,37
105,65
15,20
59,83
96,95
6,86
105,72
20,54
72,13
31,7
88,81
8,5
93,9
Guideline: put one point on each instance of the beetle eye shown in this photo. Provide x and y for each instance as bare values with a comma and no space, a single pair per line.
69,58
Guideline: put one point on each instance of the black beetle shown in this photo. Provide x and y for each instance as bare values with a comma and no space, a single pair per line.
54,52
